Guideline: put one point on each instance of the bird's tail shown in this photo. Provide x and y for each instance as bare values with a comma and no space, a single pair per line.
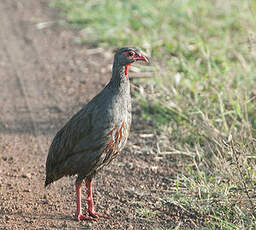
50,178
48,181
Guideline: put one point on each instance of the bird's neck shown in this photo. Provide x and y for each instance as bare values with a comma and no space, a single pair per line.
119,77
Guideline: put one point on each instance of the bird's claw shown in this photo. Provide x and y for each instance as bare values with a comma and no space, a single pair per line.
97,215
84,217
90,215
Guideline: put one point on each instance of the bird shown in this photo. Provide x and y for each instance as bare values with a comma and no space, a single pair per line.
94,136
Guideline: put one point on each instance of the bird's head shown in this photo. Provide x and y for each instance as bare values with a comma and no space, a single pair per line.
127,56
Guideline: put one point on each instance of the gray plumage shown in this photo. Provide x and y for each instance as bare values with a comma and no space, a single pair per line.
94,136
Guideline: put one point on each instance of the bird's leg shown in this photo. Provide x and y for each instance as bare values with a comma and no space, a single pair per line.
91,211
79,214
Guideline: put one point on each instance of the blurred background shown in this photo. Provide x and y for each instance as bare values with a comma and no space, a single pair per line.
190,161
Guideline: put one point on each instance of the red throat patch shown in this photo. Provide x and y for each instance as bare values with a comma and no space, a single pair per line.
127,69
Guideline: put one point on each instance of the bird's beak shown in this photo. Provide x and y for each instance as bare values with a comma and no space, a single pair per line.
140,57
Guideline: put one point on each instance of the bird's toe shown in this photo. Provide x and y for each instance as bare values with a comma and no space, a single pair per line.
97,215
84,217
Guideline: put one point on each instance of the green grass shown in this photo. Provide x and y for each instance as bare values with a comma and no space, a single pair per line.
146,213
201,97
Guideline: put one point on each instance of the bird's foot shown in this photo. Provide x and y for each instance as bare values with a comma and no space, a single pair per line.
97,215
80,216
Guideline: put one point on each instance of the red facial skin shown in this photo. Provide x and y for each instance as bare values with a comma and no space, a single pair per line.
127,67
136,56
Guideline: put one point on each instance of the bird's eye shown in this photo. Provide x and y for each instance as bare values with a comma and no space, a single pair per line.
130,54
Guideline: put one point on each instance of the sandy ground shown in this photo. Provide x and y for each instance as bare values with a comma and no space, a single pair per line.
46,76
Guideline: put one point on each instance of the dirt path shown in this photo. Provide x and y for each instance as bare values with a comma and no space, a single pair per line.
45,77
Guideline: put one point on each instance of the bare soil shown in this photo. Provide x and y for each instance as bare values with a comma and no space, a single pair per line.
45,77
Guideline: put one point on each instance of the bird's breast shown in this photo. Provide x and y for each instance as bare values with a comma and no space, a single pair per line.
117,137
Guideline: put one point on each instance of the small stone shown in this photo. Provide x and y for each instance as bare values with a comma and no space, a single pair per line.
64,225
26,175
4,158
130,226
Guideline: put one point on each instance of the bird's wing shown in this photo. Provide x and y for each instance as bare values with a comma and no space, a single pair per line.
65,140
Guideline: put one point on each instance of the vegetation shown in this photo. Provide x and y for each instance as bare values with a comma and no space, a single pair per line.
201,97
